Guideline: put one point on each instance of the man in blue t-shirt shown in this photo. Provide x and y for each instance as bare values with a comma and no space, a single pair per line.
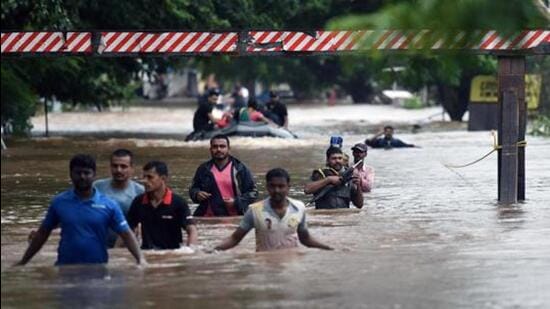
120,187
84,216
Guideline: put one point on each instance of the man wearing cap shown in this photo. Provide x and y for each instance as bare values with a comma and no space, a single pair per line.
277,111
364,172
203,120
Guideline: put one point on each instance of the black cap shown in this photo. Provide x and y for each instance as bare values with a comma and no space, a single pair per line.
360,146
213,91
273,94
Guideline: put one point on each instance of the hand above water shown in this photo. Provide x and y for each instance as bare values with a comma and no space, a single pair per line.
202,196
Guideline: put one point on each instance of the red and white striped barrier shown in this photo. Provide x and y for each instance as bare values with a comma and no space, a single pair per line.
46,42
169,42
121,43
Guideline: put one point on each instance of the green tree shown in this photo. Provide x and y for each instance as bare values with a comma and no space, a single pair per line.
450,73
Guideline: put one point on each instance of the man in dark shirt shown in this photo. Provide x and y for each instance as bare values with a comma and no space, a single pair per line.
341,194
223,185
203,120
388,141
277,111
161,212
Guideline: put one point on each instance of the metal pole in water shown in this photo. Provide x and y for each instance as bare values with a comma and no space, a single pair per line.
511,98
47,133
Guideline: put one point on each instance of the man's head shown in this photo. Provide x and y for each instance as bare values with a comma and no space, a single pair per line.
219,147
155,175
253,104
213,95
359,152
273,96
278,184
122,165
82,170
335,158
388,132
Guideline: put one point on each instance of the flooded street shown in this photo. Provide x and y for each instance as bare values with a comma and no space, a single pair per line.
428,236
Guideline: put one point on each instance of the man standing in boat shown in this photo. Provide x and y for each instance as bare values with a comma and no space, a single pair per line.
223,185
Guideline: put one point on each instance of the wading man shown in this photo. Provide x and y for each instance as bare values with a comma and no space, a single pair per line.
279,221
340,193
120,187
84,215
223,186
162,213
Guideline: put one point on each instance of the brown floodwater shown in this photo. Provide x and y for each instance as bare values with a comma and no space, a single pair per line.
428,236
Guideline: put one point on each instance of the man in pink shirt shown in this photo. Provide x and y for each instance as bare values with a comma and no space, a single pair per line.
223,185
363,171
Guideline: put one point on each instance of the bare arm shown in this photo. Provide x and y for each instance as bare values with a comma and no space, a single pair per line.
38,240
232,240
285,125
357,194
192,234
132,245
211,117
317,185
307,240
374,137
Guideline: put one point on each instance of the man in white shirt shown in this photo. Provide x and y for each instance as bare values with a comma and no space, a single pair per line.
279,221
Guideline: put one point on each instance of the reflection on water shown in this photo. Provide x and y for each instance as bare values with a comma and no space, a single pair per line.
429,237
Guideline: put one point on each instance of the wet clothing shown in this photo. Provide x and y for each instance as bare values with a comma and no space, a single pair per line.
84,225
224,182
383,142
123,197
366,177
339,197
276,111
245,115
243,187
201,122
272,231
160,226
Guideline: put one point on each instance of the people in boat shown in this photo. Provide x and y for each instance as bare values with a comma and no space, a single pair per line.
279,221
223,185
120,187
203,119
251,113
341,194
161,212
84,215
364,172
387,141
276,110
238,99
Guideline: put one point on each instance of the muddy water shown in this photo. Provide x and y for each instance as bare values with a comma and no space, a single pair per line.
428,237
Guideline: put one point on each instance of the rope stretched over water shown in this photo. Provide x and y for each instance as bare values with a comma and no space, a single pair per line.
495,148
